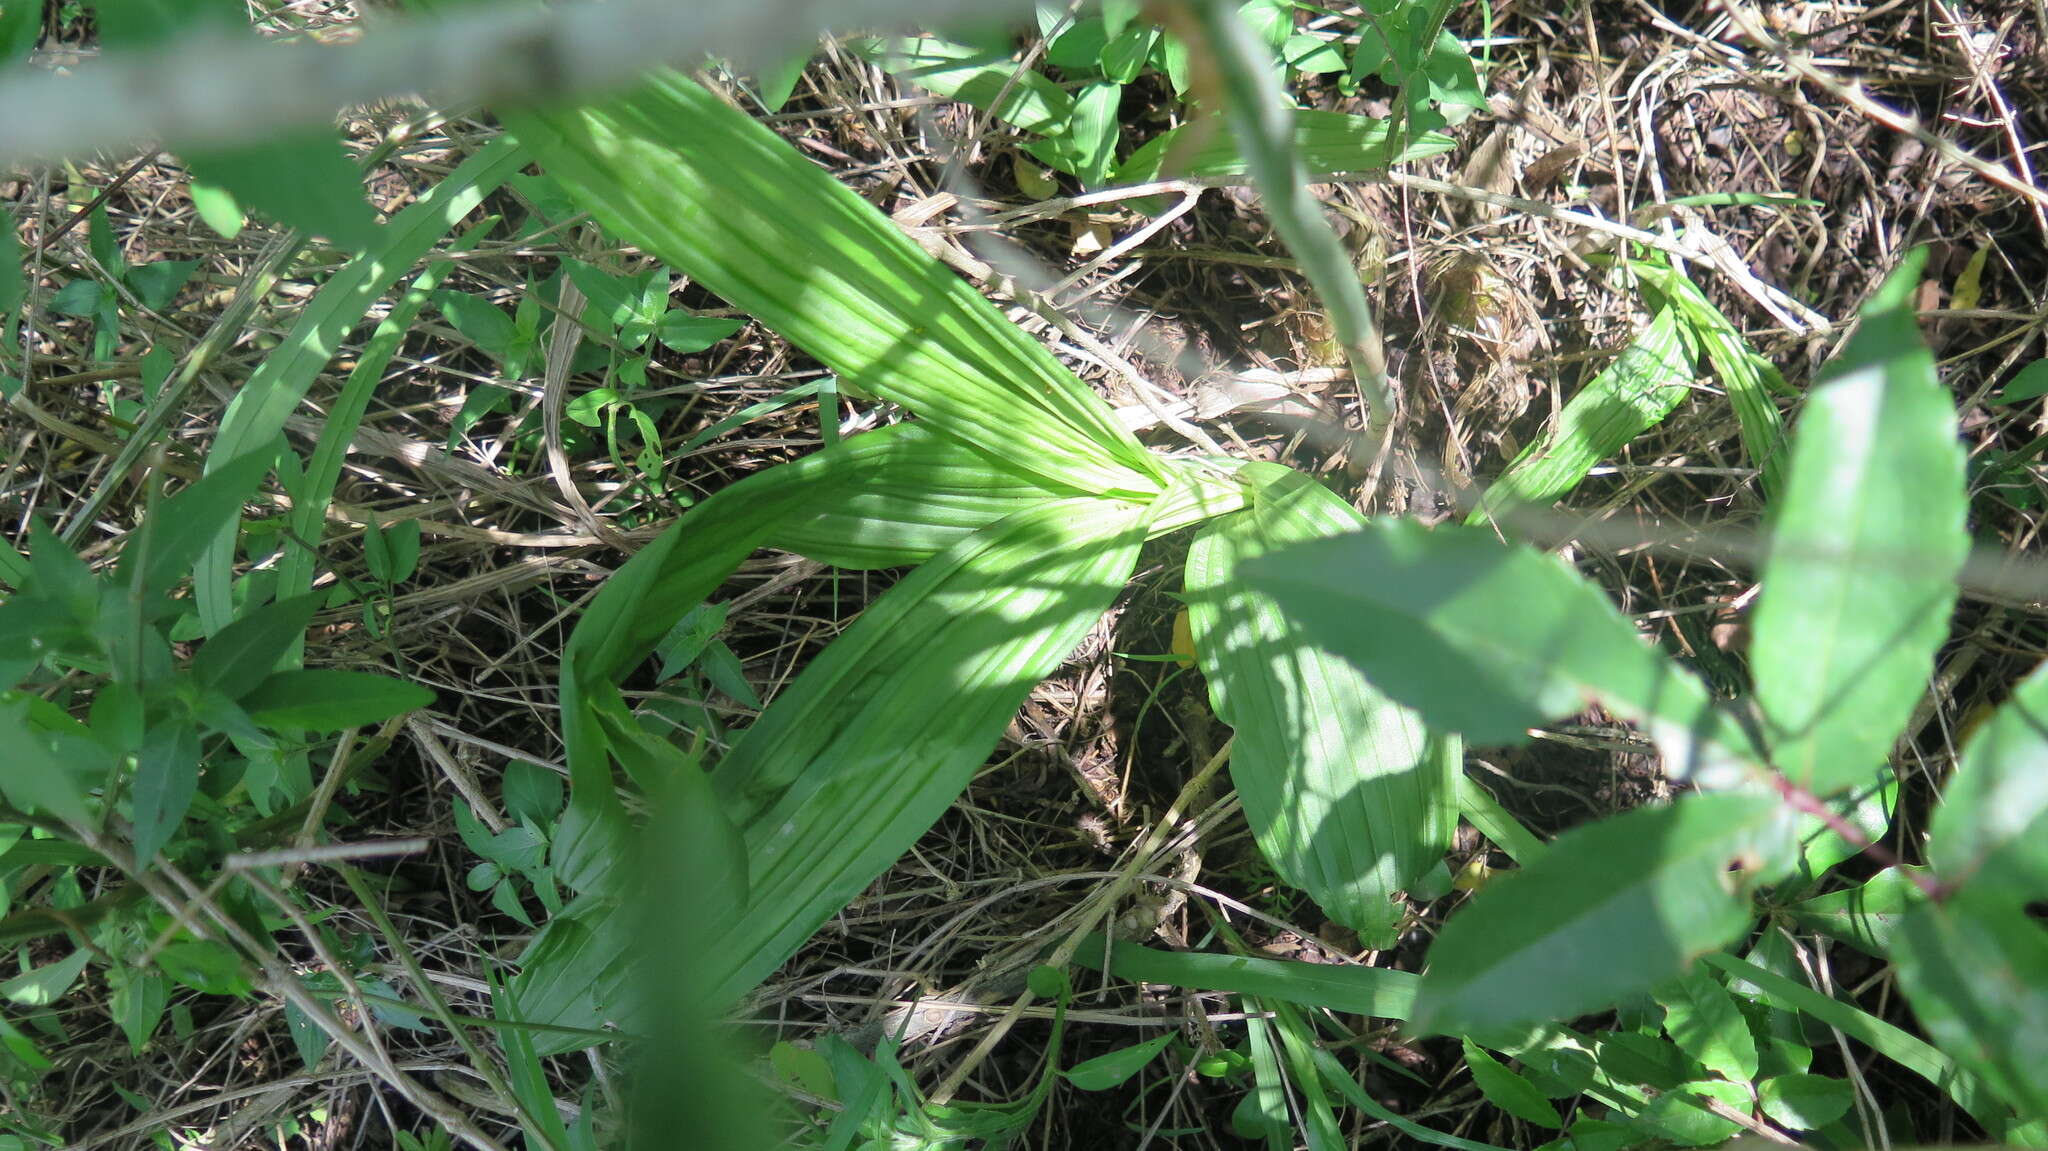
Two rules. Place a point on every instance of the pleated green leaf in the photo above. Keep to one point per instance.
(1864, 552)
(1490, 640)
(884, 729)
(1749, 379)
(1629, 397)
(675, 170)
(1348, 796)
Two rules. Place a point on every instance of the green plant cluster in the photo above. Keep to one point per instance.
(1352, 657)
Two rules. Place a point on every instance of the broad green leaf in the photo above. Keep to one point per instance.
(1328, 143)
(1347, 795)
(21, 25)
(684, 334)
(1086, 144)
(1975, 969)
(531, 791)
(995, 84)
(1906, 1050)
(481, 322)
(304, 179)
(218, 207)
(258, 413)
(1701, 1017)
(1991, 828)
(205, 966)
(1507, 1090)
(12, 283)
(1865, 548)
(1125, 54)
(1677, 1118)
(140, 997)
(1612, 909)
(53, 760)
(330, 699)
(883, 730)
(166, 779)
(1631, 395)
(2030, 382)
(244, 653)
(46, 984)
(156, 283)
(1863, 916)
(675, 170)
(1376, 992)
(1489, 640)
(1116, 1068)
(1803, 1102)
(392, 554)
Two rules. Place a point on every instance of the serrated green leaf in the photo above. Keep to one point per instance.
(1645, 383)
(204, 965)
(1507, 1090)
(988, 81)
(711, 192)
(156, 283)
(1612, 909)
(1991, 828)
(1865, 548)
(1489, 640)
(881, 732)
(1346, 793)
(684, 334)
(1802, 1102)
(1116, 1067)
(78, 298)
(1976, 972)
(1701, 1017)
(329, 699)
(531, 791)
(166, 779)
(244, 653)
(1328, 143)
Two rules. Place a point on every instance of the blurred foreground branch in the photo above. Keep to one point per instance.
(211, 91)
